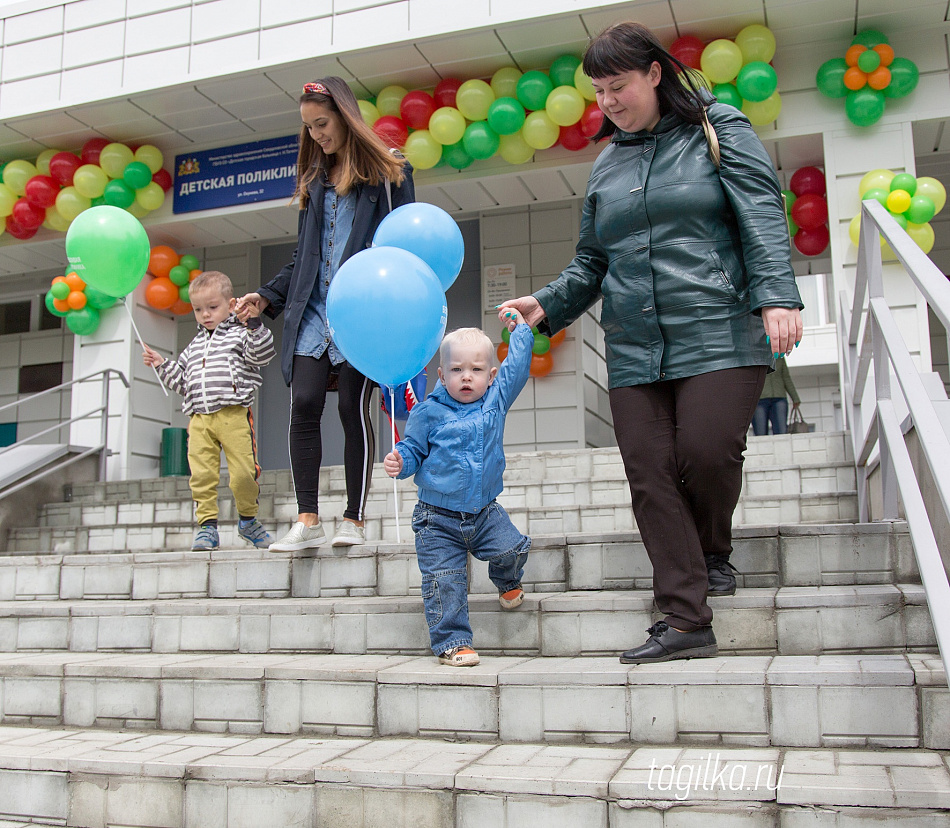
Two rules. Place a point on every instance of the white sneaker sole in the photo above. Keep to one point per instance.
(346, 540)
(313, 543)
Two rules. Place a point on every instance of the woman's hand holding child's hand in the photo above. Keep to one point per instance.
(152, 358)
(392, 463)
(250, 305)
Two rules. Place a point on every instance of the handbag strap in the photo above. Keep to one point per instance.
(796, 416)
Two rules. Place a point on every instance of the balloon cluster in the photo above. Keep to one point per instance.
(171, 274)
(541, 360)
(397, 284)
(912, 202)
(513, 115)
(866, 77)
(808, 211)
(52, 192)
(739, 72)
(71, 297)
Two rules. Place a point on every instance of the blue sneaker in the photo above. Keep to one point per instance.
(253, 532)
(206, 539)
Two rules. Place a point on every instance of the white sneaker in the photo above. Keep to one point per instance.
(300, 536)
(349, 534)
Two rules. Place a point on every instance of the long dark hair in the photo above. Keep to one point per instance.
(626, 47)
(365, 159)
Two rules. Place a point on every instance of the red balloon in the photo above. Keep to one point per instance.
(572, 137)
(688, 49)
(810, 211)
(808, 181)
(416, 108)
(62, 167)
(444, 93)
(26, 215)
(161, 293)
(392, 130)
(814, 241)
(92, 148)
(18, 231)
(591, 120)
(41, 191)
(164, 179)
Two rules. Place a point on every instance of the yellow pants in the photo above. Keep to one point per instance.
(230, 429)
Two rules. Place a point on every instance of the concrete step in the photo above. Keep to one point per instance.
(789, 621)
(140, 779)
(767, 556)
(884, 701)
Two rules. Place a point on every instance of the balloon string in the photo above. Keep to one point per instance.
(392, 423)
(128, 310)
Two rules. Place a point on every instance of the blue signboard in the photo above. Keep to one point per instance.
(242, 174)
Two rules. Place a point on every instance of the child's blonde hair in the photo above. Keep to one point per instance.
(212, 280)
(466, 336)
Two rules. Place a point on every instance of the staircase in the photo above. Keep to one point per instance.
(142, 684)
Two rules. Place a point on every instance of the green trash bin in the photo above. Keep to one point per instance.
(175, 452)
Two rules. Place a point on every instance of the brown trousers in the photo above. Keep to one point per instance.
(681, 442)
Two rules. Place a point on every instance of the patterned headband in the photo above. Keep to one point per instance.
(318, 88)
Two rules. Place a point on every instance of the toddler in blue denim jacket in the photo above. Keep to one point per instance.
(454, 447)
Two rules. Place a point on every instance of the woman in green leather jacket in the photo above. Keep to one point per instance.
(692, 263)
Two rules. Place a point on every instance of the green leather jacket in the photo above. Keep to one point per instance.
(683, 254)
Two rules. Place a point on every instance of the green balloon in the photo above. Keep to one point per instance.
(505, 335)
(98, 201)
(904, 77)
(563, 69)
(48, 299)
(179, 275)
(189, 262)
(480, 140)
(60, 290)
(97, 299)
(136, 175)
(119, 194)
(877, 194)
(506, 116)
(756, 81)
(830, 78)
(869, 38)
(533, 89)
(900, 219)
(542, 344)
(455, 156)
(864, 106)
(789, 200)
(869, 61)
(921, 210)
(183, 294)
(792, 227)
(109, 249)
(83, 322)
(904, 181)
(728, 94)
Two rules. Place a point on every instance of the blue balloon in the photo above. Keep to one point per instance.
(430, 233)
(386, 310)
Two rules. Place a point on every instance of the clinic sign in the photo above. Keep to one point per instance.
(242, 174)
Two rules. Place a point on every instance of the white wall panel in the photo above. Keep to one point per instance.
(143, 7)
(428, 16)
(33, 26)
(106, 77)
(222, 18)
(20, 97)
(371, 27)
(156, 69)
(93, 13)
(299, 41)
(94, 45)
(157, 32)
(36, 57)
(278, 12)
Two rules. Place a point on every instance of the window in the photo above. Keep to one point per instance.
(36, 378)
(14, 317)
(49, 321)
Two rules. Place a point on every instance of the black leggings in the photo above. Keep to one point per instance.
(308, 395)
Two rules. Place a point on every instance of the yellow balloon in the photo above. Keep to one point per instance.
(721, 61)
(17, 173)
(137, 209)
(114, 158)
(473, 99)
(150, 197)
(7, 200)
(875, 180)
(422, 150)
(151, 156)
(90, 180)
(70, 203)
(42, 160)
(447, 125)
(514, 149)
(565, 105)
(55, 220)
(539, 131)
(584, 84)
(934, 190)
(763, 112)
(388, 100)
(898, 201)
(854, 230)
(504, 83)
(922, 234)
(369, 112)
(756, 42)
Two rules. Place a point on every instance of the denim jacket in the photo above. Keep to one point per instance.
(456, 450)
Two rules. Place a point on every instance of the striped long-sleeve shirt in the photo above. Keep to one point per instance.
(219, 368)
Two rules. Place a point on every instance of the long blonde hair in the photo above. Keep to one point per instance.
(364, 158)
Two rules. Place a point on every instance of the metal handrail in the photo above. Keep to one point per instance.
(102, 411)
(883, 348)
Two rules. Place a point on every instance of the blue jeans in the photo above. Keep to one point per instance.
(770, 409)
(444, 540)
